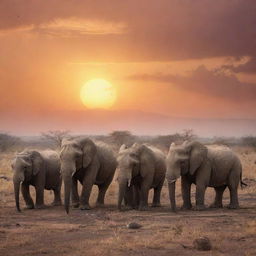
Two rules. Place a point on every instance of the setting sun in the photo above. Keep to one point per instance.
(98, 93)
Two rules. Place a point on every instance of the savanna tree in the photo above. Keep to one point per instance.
(55, 136)
(122, 137)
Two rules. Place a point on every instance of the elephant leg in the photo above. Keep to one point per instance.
(57, 198)
(102, 192)
(234, 180)
(233, 198)
(26, 195)
(157, 194)
(88, 181)
(75, 196)
(85, 195)
(144, 197)
(200, 192)
(128, 198)
(136, 197)
(186, 193)
(218, 197)
(39, 197)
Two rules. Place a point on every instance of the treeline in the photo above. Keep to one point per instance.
(52, 139)
(8, 142)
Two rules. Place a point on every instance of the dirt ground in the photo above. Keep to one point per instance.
(103, 231)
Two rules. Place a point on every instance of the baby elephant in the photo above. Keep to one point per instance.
(39, 169)
(140, 168)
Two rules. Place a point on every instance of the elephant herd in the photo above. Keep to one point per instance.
(139, 168)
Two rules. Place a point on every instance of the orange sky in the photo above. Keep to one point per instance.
(168, 58)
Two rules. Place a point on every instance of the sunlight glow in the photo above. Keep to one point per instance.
(98, 93)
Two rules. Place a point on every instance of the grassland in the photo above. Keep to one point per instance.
(103, 231)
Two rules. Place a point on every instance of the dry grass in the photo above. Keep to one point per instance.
(103, 231)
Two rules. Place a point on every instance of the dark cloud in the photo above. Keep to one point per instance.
(248, 67)
(207, 82)
(158, 30)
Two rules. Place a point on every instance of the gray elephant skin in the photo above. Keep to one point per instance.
(89, 163)
(140, 168)
(205, 166)
(39, 169)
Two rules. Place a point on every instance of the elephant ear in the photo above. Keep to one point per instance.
(134, 157)
(37, 162)
(89, 150)
(198, 154)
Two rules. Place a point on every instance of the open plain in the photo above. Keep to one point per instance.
(103, 231)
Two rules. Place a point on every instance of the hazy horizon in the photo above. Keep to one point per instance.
(102, 122)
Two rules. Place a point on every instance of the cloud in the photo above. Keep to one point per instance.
(158, 30)
(72, 27)
(207, 82)
(248, 67)
(27, 28)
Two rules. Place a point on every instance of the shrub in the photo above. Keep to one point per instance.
(8, 141)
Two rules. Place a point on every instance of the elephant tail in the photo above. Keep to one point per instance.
(240, 169)
(242, 183)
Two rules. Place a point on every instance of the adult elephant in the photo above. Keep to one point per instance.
(213, 166)
(89, 163)
(140, 168)
(39, 169)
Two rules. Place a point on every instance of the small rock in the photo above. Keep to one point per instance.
(202, 244)
(18, 225)
(133, 225)
(82, 226)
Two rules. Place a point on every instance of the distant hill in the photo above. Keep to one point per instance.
(138, 122)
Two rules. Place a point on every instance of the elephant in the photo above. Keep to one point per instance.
(89, 163)
(140, 168)
(205, 166)
(40, 169)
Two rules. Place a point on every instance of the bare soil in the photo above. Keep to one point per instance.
(103, 231)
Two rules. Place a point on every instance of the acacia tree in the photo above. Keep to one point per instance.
(122, 137)
(188, 134)
(165, 140)
(55, 136)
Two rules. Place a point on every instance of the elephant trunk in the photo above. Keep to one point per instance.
(16, 184)
(67, 192)
(171, 187)
(121, 194)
